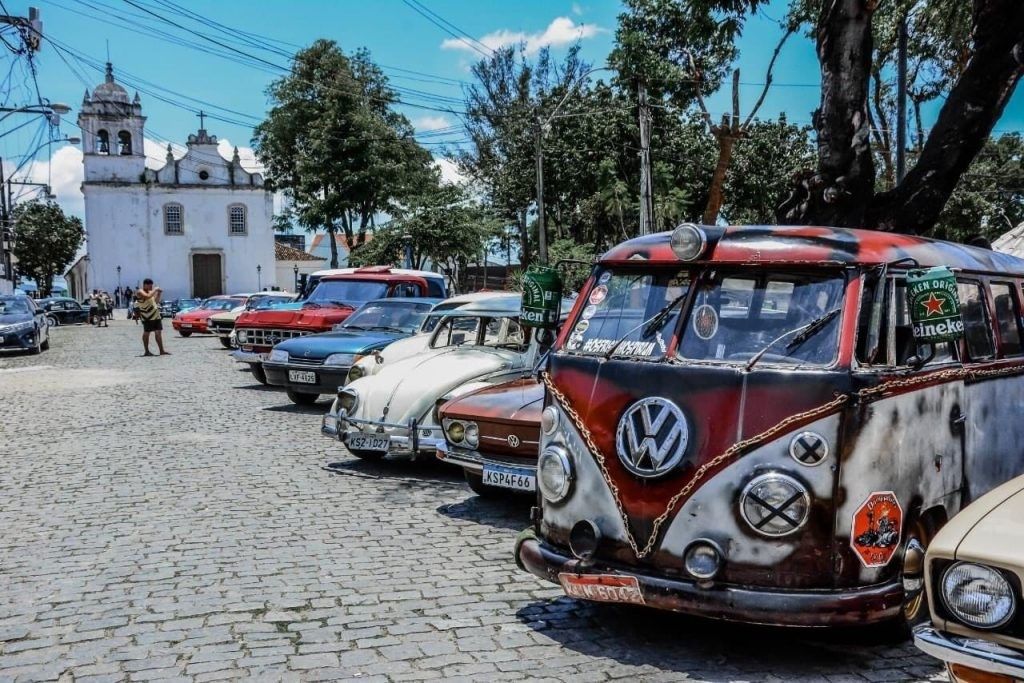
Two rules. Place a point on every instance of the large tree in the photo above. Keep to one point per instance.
(46, 240)
(334, 145)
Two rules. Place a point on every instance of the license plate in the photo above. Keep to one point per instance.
(519, 479)
(368, 442)
(186, 325)
(602, 588)
(302, 376)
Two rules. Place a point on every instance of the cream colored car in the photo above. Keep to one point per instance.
(974, 571)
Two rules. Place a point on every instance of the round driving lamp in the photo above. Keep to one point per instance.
(554, 474)
(688, 242)
(348, 399)
(584, 538)
(978, 595)
(702, 560)
(775, 504)
(549, 420)
(472, 435)
(456, 432)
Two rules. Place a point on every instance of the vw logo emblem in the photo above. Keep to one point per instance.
(513, 441)
(652, 436)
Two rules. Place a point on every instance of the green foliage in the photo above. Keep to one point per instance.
(46, 241)
(573, 274)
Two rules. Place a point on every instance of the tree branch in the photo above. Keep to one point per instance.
(768, 77)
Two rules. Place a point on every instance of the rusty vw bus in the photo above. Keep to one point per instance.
(758, 424)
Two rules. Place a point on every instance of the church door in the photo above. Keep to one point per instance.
(206, 275)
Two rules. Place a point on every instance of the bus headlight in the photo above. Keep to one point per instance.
(688, 242)
(775, 504)
(977, 595)
(554, 474)
(549, 420)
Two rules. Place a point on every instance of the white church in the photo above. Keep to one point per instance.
(198, 226)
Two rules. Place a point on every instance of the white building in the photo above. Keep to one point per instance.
(199, 225)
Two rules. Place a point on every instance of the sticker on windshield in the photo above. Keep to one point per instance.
(626, 348)
(705, 322)
(588, 312)
(605, 277)
(582, 326)
(598, 295)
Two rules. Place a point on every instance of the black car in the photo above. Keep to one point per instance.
(61, 310)
(23, 325)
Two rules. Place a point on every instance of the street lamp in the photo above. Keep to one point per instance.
(51, 110)
(295, 269)
(259, 282)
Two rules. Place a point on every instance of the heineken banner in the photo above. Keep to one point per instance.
(542, 297)
(934, 305)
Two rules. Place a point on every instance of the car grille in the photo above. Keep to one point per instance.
(222, 325)
(292, 360)
(262, 337)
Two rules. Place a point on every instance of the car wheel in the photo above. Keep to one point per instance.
(52, 321)
(226, 343)
(257, 372)
(183, 333)
(367, 455)
(45, 346)
(476, 482)
(303, 399)
(38, 348)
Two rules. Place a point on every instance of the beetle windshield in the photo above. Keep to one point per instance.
(498, 332)
(785, 318)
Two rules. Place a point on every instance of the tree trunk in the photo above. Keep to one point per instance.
(840, 191)
(716, 193)
(524, 241)
(331, 231)
(964, 123)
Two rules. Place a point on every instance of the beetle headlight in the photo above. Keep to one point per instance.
(977, 595)
(348, 400)
(340, 359)
(775, 504)
(688, 242)
(456, 431)
(472, 435)
(278, 356)
(549, 420)
(355, 372)
(554, 474)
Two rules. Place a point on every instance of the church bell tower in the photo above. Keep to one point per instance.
(112, 133)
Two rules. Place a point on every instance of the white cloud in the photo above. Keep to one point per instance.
(577, 9)
(449, 171)
(428, 123)
(561, 31)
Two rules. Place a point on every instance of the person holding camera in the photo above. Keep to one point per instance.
(148, 306)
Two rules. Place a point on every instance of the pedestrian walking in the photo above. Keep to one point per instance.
(93, 302)
(101, 311)
(148, 303)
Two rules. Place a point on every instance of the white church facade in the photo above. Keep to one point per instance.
(198, 226)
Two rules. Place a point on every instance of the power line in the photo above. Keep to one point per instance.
(449, 28)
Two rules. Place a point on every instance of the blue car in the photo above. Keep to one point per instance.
(317, 364)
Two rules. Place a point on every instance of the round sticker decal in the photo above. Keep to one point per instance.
(605, 277)
(582, 326)
(588, 312)
(598, 295)
(705, 322)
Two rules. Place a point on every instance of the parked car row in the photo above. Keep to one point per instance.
(760, 424)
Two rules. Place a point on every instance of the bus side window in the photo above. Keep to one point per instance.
(977, 329)
(865, 337)
(1004, 296)
(904, 343)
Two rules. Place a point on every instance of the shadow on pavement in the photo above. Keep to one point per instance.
(315, 409)
(499, 512)
(717, 650)
(417, 471)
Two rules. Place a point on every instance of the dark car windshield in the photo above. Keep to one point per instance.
(10, 305)
(394, 316)
(352, 292)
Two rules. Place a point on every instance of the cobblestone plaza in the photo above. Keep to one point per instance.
(169, 519)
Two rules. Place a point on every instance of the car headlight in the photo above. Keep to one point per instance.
(340, 359)
(20, 327)
(977, 595)
(348, 400)
(242, 336)
(549, 420)
(456, 431)
(278, 356)
(775, 504)
(554, 474)
(472, 435)
(355, 372)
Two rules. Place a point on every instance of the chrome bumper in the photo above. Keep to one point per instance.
(971, 652)
(415, 439)
(474, 461)
(247, 356)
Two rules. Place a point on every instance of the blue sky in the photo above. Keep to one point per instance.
(399, 38)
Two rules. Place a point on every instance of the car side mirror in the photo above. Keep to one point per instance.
(916, 361)
(545, 337)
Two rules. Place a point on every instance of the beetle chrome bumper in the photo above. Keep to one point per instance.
(975, 653)
(849, 607)
(407, 440)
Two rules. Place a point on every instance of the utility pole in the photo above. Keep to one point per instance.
(901, 99)
(542, 233)
(646, 203)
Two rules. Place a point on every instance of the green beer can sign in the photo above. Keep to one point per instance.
(542, 297)
(934, 305)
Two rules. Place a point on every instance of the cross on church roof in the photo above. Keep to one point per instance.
(202, 119)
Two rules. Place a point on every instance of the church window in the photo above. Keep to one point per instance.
(173, 224)
(237, 220)
(124, 142)
(102, 142)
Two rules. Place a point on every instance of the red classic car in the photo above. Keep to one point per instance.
(196, 320)
(492, 433)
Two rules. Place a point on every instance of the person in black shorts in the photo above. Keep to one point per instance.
(148, 303)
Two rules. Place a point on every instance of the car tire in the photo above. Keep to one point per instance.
(183, 333)
(38, 348)
(301, 399)
(226, 343)
(371, 456)
(45, 346)
(258, 373)
(476, 483)
(52, 321)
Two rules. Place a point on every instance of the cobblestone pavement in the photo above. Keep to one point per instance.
(167, 518)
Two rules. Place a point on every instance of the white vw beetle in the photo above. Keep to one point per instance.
(394, 412)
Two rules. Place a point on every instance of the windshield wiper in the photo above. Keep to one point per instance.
(356, 327)
(652, 324)
(803, 333)
(387, 327)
